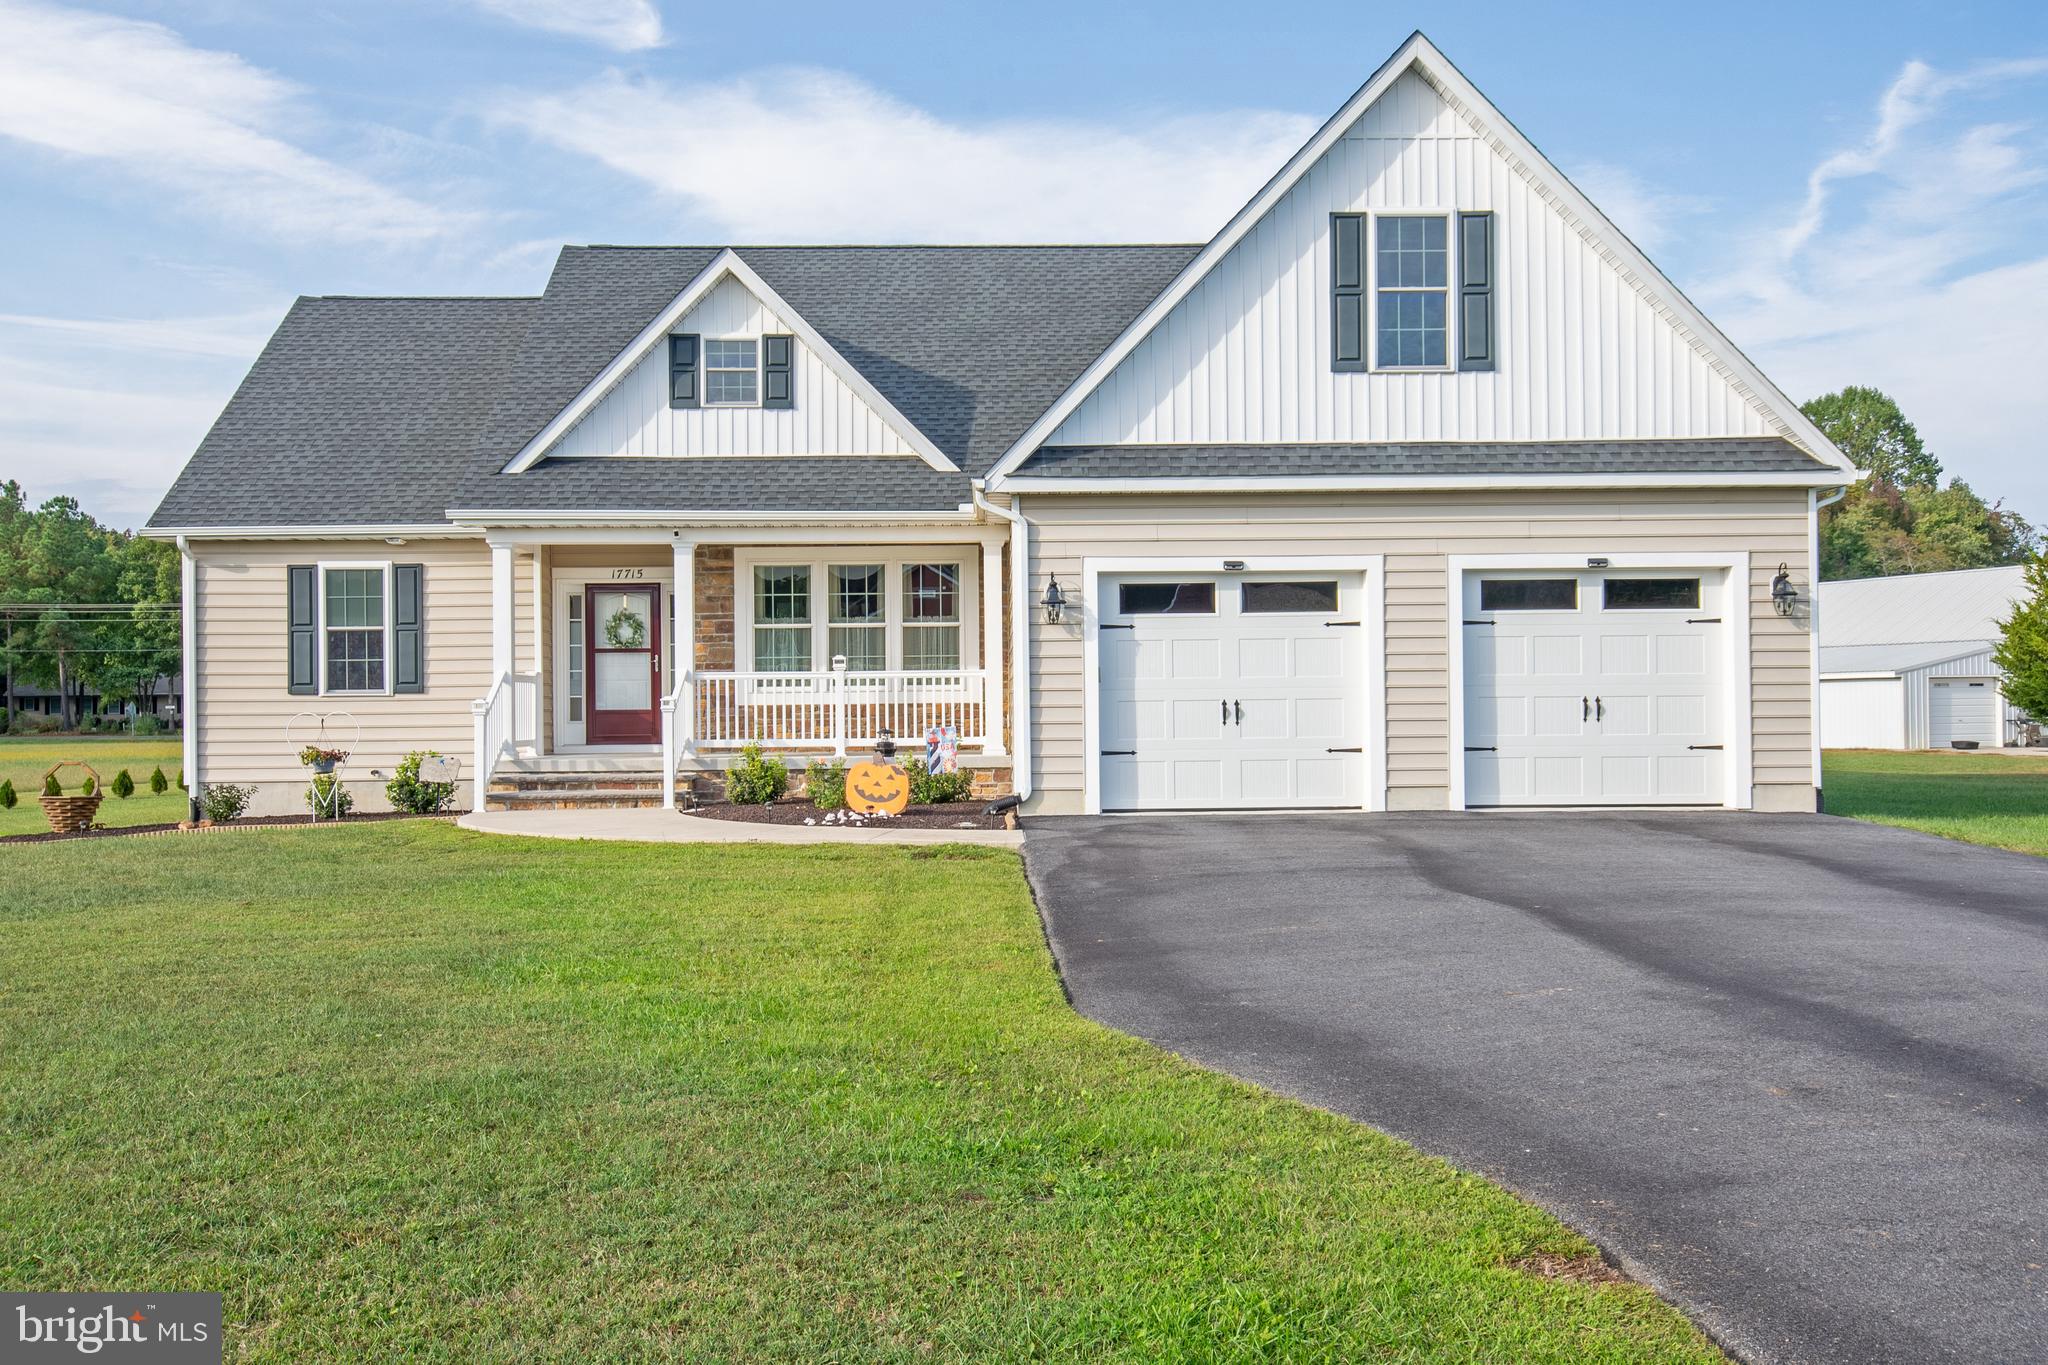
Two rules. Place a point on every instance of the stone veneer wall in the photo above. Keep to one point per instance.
(714, 608)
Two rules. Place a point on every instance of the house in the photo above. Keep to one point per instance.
(1906, 661)
(1416, 487)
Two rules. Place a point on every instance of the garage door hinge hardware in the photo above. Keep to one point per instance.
(1481, 749)
(1702, 746)
(1482, 623)
(1119, 753)
(1703, 620)
(1108, 626)
(1340, 623)
(1352, 750)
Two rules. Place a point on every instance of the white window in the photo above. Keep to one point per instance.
(732, 373)
(877, 611)
(1411, 278)
(355, 627)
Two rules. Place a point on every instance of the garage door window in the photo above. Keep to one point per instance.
(1528, 594)
(1644, 594)
(1261, 598)
(1166, 599)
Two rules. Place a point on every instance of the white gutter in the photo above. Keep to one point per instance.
(1020, 637)
(1340, 483)
(188, 673)
(476, 519)
(1814, 502)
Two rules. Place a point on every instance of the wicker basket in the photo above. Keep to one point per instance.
(72, 814)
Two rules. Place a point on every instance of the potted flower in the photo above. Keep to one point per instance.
(321, 760)
(70, 814)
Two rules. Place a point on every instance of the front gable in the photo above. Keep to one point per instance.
(626, 410)
(1589, 341)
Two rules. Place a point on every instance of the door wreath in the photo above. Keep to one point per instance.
(624, 629)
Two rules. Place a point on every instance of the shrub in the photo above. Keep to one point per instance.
(936, 789)
(8, 799)
(124, 785)
(825, 783)
(92, 784)
(221, 802)
(51, 786)
(754, 780)
(328, 796)
(408, 793)
(146, 724)
(158, 783)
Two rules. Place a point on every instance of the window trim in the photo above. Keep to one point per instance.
(320, 571)
(705, 368)
(1449, 218)
(1699, 590)
(894, 559)
(1577, 580)
(1335, 581)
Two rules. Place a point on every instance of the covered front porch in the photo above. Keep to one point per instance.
(629, 661)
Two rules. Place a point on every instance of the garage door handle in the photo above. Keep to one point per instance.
(1110, 625)
(1226, 711)
(1334, 624)
(1599, 709)
(1240, 711)
(1119, 753)
(1585, 709)
(1702, 746)
(1703, 620)
(1481, 749)
(1344, 751)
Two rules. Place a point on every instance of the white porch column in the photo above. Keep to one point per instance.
(992, 646)
(679, 708)
(188, 682)
(504, 592)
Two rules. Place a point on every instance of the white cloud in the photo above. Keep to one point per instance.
(136, 98)
(808, 155)
(628, 25)
(1648, 213)
(1914, 262)
(237, 336)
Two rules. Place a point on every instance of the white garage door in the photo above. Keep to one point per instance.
(1230, 691)
(1962, 708)
(1602, 688)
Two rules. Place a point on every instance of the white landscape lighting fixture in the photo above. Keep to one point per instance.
(1784, 597)
(1054, 601)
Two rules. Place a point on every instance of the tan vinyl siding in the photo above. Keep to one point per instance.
(1417, 532)
(243, 704)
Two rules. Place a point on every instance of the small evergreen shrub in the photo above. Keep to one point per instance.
(158, 783)
(755, 780)
(8, 799)
(92, 784)
(408, 793)
(936, 789)
(328, 797)
(221, 802)
(51, 786)
(146, 724)
(825, 783)
(124, 785)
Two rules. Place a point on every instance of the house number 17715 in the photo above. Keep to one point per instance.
(618, 574)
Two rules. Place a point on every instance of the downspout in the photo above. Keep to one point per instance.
(188, 676)
(1020, 637)
(1814, 502)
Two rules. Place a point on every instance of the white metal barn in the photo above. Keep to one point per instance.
(1905, 662)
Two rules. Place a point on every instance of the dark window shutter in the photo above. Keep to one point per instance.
(1476, 341)
(408, 648)
(1347, 292)
(777, 390)
(682, 371)
(303, 625)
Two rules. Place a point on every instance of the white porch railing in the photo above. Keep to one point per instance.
(504, 720)
(836, 710)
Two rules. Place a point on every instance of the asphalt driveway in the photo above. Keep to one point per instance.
(1791, 1070)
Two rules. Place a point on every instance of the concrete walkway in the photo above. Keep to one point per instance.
(673, 827)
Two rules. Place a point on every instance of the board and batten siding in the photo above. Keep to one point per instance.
(1583, 352)
(1416, 532)
(827, 417)
(243, 706)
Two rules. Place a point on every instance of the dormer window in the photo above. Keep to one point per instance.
(732, 373)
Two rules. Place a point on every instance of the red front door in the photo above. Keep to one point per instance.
(622, 634)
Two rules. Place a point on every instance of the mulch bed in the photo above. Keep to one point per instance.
(959, 815)
(246, 822)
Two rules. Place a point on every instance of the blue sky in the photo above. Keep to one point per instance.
(1855, 192)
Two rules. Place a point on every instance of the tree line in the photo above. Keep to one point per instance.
(83, 606)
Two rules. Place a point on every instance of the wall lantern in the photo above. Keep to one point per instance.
(1784, 596)
(1054, 601)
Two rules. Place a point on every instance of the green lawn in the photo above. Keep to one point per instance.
(23, 760)
(406, 1092)
(2000, 799)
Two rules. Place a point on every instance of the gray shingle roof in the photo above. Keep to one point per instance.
(358, 412)
(1730, 455)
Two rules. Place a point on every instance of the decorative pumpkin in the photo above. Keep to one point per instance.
(877, 789)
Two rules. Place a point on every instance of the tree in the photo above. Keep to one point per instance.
(2022, 652)
(1902, 520)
